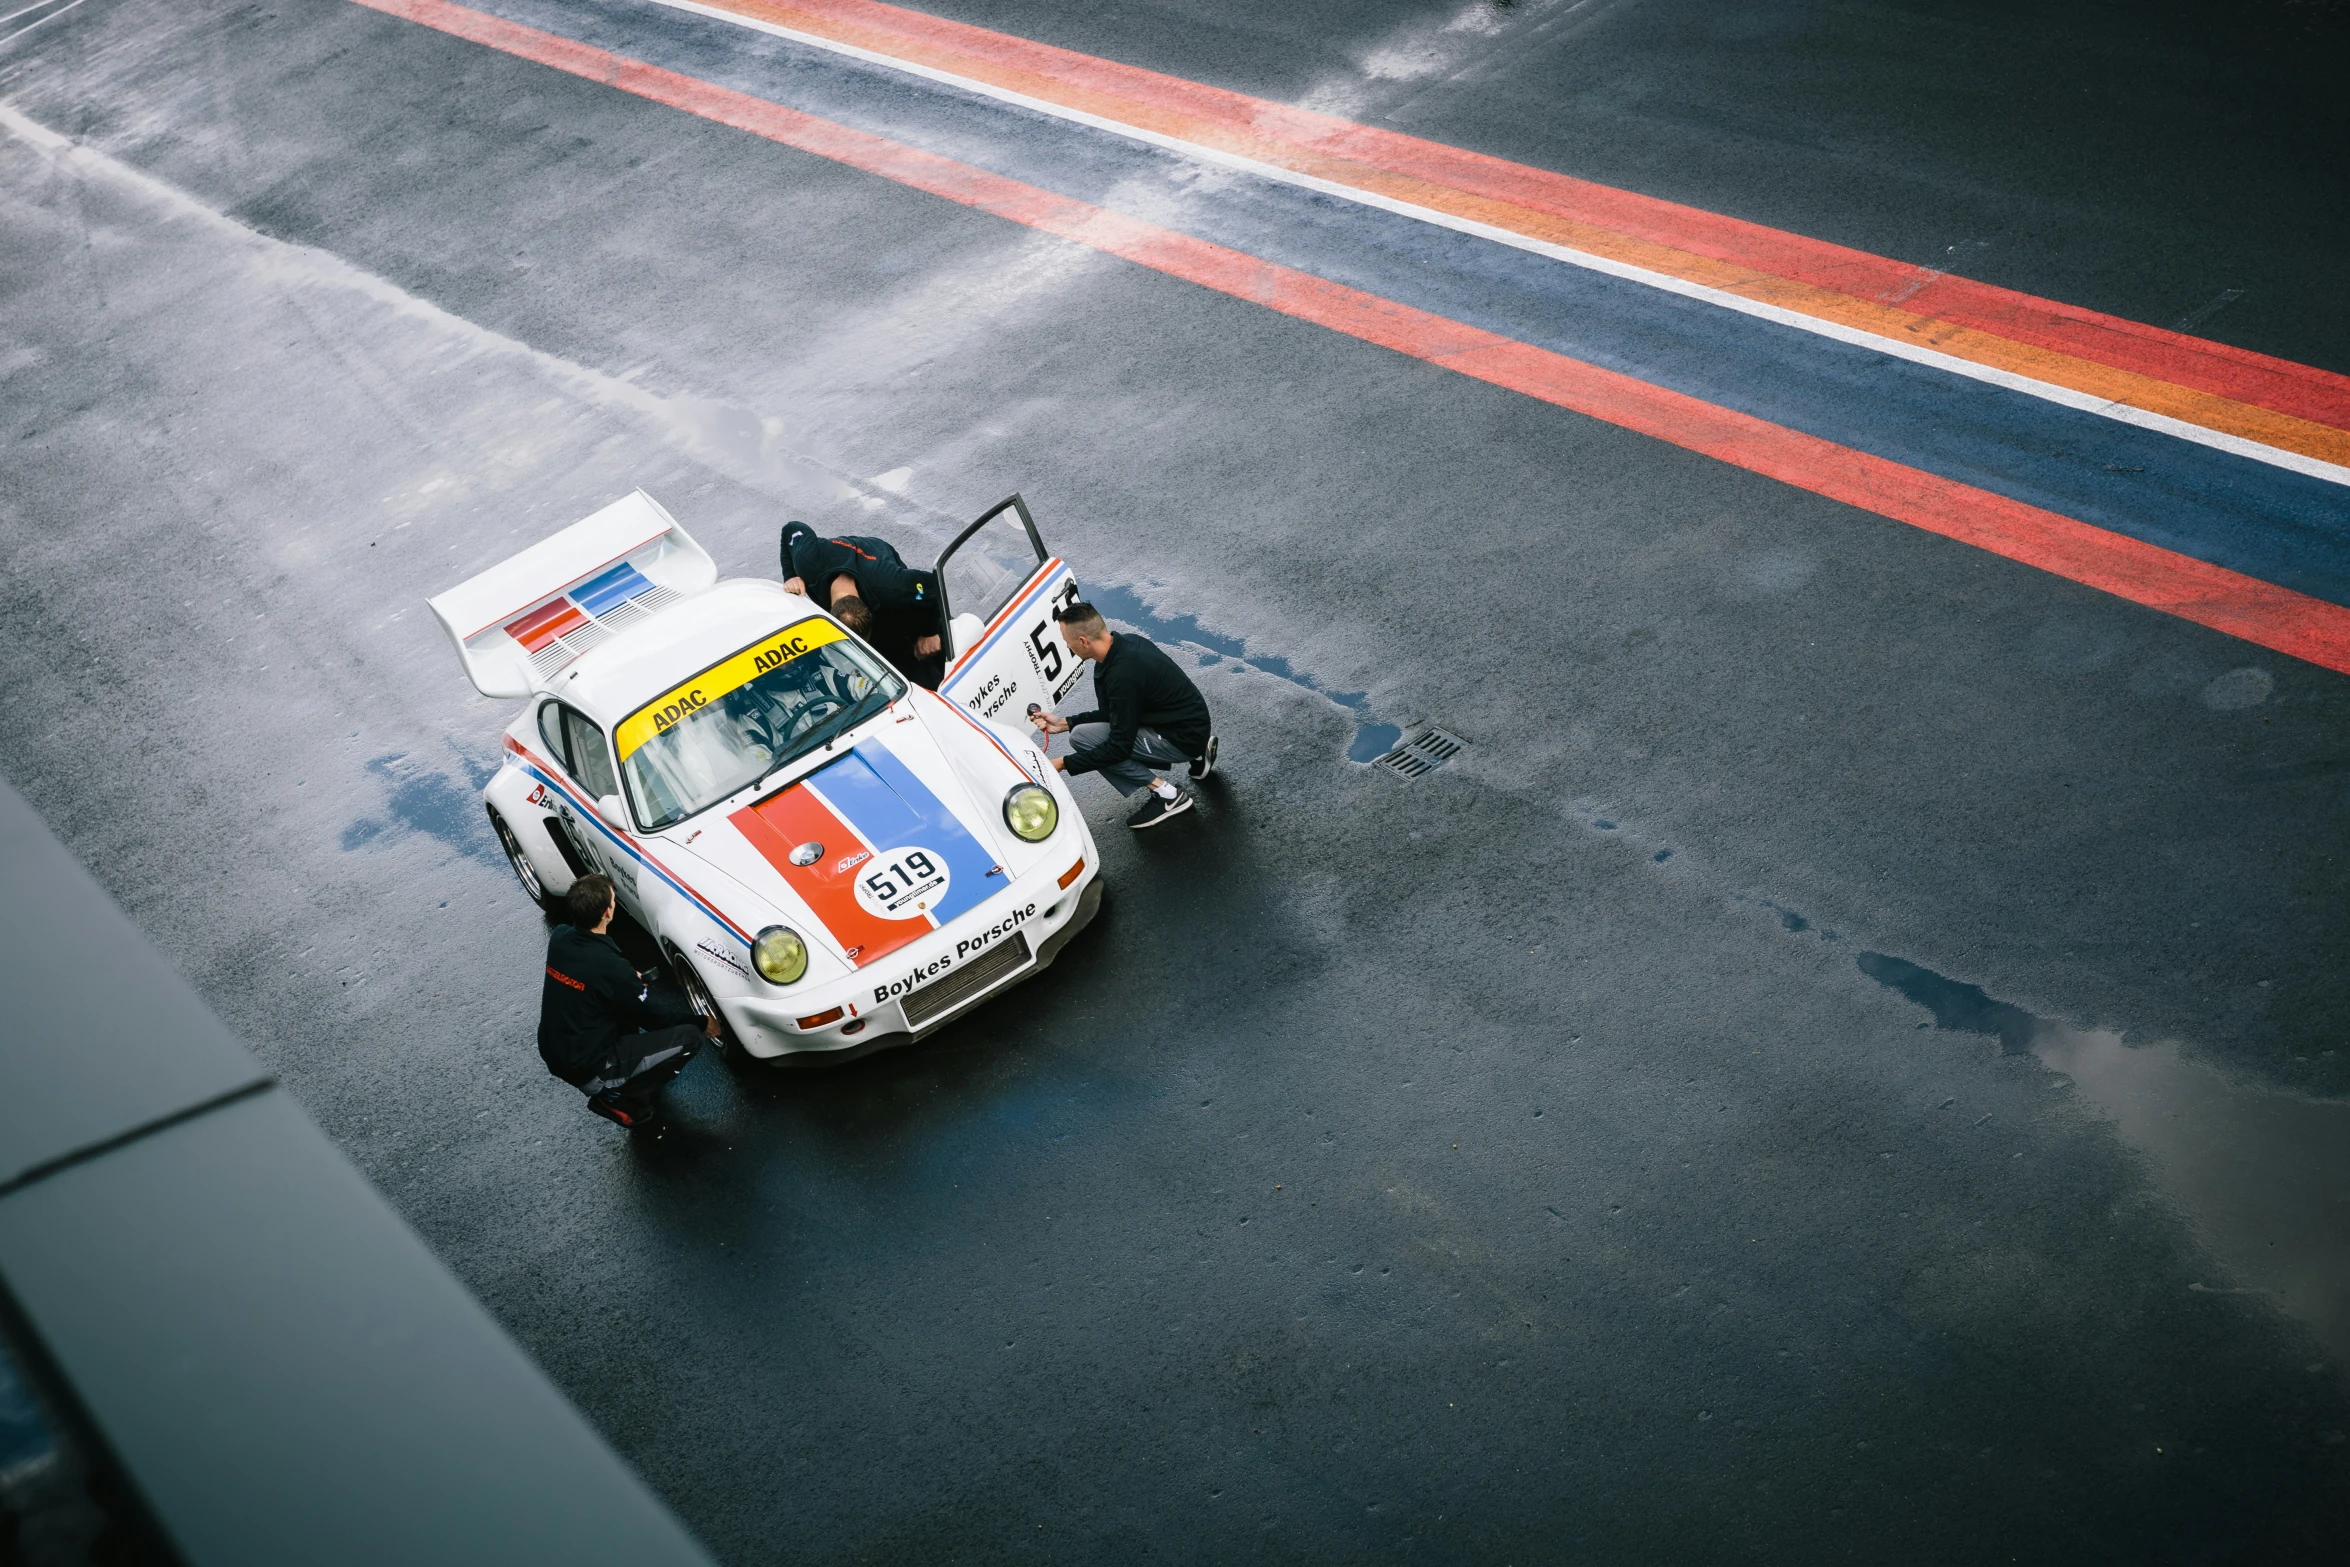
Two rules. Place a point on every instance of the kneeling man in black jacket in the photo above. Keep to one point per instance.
(1151, 716)
(604, 1028)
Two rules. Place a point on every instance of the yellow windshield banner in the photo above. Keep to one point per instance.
(666, 711)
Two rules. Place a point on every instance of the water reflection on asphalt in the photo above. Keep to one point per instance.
(1371, 739)
(2265, 1176)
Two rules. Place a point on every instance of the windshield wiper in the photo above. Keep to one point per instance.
(823, 734)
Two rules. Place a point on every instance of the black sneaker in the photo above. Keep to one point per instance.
(634, 1120)
(1155, 810)
(1204, 763)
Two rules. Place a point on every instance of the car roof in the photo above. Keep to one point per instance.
(612, 681)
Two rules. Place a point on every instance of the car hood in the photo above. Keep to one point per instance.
(896, 843)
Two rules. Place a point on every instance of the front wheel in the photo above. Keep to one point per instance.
(524, 871)
(698, 997)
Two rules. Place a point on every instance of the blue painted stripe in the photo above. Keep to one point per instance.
(879, 796)
(602, 594)
(2284, 527)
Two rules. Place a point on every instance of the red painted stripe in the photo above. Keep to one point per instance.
(2228, 601)
(623, 555)
(543, 625)
(2236, 373)
(782, 822)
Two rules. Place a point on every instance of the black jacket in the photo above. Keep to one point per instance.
(1140, 687)
(591, 999)
(903, 598)
(884, 581)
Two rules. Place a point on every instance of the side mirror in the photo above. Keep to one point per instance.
(614, 813)
(963, 634)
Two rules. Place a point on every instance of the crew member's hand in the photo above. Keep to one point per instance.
(926, 647)
(710, 1025)
(795, 585)
(1050, 723)
(1060, 764)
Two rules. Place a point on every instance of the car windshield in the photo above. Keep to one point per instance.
(747, 716)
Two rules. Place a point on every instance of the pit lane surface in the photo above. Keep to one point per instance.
(1556, 1157)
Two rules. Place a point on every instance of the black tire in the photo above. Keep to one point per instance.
(524, 871)
(697, 994)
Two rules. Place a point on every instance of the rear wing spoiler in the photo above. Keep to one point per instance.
(518, 624)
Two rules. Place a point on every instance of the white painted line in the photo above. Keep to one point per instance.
(2065, 396)
(27, 10)
(703, 429)
(29, 26)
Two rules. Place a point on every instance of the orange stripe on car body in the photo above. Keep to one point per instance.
(781, 823)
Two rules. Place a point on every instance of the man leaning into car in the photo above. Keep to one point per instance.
(605, 1029)
(873, 592)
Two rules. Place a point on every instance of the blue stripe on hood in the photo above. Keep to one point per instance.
(881, 798)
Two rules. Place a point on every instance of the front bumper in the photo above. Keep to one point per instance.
(770, 1029)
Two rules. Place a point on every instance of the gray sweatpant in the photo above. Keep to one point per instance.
(1137, 770)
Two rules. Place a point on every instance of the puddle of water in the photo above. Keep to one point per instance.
(1795, 924)
(1371, 739)
(1955, 1006)
(432, 803)
(2265, 1176)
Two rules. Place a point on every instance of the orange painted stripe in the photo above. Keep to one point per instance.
(544, 624)
(782, 822)
(2246, 607)
(2272, 401)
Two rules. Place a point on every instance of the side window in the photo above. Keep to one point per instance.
(551, 731)
(591, 764)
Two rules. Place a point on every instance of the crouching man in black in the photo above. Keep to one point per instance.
(605, 1029)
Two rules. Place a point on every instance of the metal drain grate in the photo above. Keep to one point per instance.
(1422, 754)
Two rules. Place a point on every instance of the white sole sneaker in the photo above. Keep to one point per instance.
(1158, 810)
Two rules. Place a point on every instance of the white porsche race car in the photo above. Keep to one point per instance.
(832, 859)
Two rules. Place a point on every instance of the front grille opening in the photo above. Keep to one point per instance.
(1422, 754)
(942, 996)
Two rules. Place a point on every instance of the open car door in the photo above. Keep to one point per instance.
(1000, 589)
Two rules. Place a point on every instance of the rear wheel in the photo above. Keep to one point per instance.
(698, 996)
(524, 871)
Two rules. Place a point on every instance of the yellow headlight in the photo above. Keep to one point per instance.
(1031, 814)
(779, 955)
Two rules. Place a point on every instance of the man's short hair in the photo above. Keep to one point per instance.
(854, 613)
(1083, 616)
(587, 900)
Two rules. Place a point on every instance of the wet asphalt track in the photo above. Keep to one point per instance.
(1556, 1159)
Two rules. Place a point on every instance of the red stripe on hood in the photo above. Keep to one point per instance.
(781, 823)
